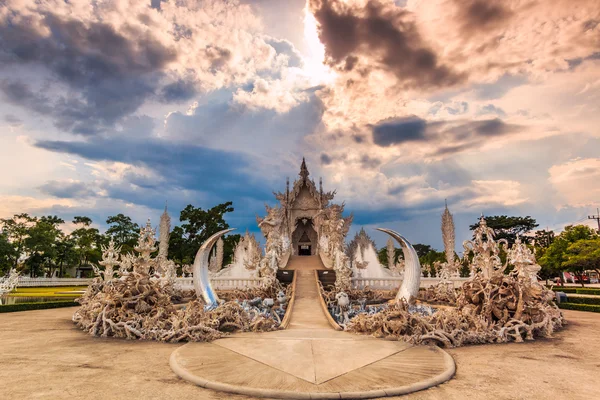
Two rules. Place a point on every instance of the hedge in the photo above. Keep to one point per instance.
(580, 307)
(583, 300)
(36, 306)
(564, 289)
(594, 292)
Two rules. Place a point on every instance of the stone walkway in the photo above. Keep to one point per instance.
(310, 359)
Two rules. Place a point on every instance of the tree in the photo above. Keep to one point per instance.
(431, 257)
(581, 256)
(229, 241)
(543, 239)
(123, 231)
(86, 242)
(197, 226)
(16, 230)
(382, 255)
(508, 228)
(66, 254)
(40, 244)
(422, 249)
(7, 254)
(555, 256)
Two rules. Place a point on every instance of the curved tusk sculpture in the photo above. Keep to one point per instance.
(202, 283)
(412, 269)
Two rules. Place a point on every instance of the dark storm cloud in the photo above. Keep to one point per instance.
(386, 35)
(13, 120)
(483, 15)
(448, 137)
(177, 92)
(67, 189)
(111, 75)
(325, 159)
(182, 166)
(399, 130)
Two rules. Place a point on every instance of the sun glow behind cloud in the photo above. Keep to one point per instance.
(314, 66)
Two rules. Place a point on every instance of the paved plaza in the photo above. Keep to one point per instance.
(44, 356)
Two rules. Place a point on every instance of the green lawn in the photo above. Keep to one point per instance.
(49, 291)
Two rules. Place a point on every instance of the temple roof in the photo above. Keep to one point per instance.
(288, 198)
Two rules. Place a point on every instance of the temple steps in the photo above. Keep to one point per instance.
(307, 313)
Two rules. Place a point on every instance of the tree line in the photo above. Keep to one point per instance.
(38, 246)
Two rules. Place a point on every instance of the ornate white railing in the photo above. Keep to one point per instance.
(223, 283)
(395, 282)
(25, 281)
(187, 282)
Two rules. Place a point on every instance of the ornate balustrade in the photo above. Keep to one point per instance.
(395, 282)
(25, 281)
(223, 283)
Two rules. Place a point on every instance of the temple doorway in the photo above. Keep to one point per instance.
(304, 238)
(304, 250)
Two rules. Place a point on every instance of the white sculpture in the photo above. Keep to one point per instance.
(343, 302)
(145, 247)
(110, 260)
(9, 282)
(524, 261)
(486, 260)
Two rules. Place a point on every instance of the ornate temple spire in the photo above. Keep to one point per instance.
(303, 170)
(448, 235)
(320, 191)
(165, 233)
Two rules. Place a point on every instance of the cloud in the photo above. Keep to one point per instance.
(15, 204)
(379, 36)
(483, 15)
(98, 63)
(399, 130)
(67, 189)
(285, 47)
(577, 181)
(13, 120)
(446, 136)
(180, 166)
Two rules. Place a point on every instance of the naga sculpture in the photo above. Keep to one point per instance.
(202, 283)
(409, 290)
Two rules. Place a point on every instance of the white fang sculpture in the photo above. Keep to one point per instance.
(412, 269)
(202, 283)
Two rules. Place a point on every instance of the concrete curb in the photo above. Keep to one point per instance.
(290, 307)
(330, 319)
(287, 394)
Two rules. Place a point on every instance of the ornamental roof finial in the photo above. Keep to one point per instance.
(303, 170)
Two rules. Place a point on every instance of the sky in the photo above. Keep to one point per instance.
(120, 106)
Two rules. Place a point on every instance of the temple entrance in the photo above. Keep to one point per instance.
(304, 238)
(304, 250)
